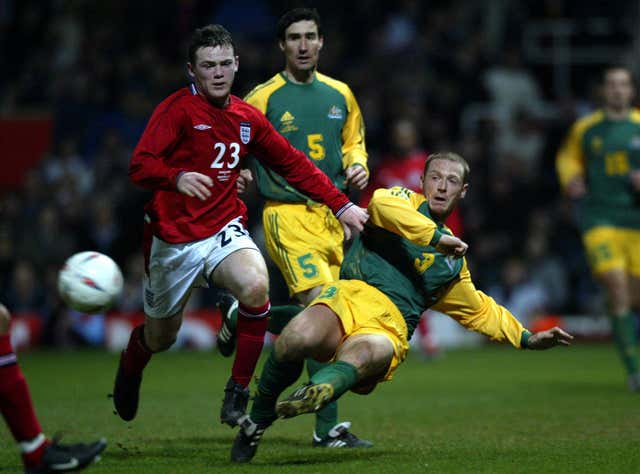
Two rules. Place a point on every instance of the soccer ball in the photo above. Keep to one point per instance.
(90, 282)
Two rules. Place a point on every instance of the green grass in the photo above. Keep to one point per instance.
(483, 410)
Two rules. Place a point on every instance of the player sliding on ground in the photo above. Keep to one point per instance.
(405, 261)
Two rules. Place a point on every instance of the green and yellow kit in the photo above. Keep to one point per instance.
(604, 152)
(397, 256)
(393, 272)
(322, 119)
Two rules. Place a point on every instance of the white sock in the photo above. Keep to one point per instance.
(30, 446)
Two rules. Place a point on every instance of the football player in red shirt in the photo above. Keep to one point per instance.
(39, 454)
(190, 156)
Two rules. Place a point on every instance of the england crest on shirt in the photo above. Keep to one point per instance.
(245, 132)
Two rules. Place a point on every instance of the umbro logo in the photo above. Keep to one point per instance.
(202, 126)
(287, 117)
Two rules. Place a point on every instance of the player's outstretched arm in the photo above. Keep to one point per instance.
(352, 220)
(548, 339)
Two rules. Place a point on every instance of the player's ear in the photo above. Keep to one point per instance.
(320, 42)
(465, 188)
(237, 61)
(281, 45)
(192, 74)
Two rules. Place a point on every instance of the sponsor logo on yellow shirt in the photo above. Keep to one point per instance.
(286, 123)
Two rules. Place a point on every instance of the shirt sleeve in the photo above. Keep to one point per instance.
(570, 159)
(354, 151)
(480, 313)
(395, 209)
(148, 167)
(275, 151)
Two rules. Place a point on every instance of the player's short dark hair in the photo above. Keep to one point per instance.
(616, 67)
(210, 35)
(449, 156)
(295, 15)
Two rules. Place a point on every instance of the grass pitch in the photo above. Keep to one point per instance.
(484, 410)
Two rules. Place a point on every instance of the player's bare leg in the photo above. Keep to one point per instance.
(361, 361)
(244, 273)
(314, 332)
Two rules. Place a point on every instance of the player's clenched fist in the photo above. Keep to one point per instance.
(353, 220)
(451, 245)
(195, 184)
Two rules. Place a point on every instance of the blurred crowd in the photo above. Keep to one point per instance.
(428, 76)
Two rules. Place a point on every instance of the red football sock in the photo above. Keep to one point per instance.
(137, 355)
(251, 327)
(15, 400)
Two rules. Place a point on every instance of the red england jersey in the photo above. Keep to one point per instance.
(187, 133)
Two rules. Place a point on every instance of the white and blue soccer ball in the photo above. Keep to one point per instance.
(90, 282)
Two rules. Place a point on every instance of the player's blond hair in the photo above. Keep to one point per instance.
(449, 156)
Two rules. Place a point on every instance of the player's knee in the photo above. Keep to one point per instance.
(5, 319)
(255, 292)
(619, 304)
(163, 343)
(371, 355)
(160, 341)
(292, 344)
(364, 353)
(364, 388)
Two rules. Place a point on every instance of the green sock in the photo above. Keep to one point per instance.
(626, 340)
(276, 376)
(341, 375)
(279, 316)
(327, 417)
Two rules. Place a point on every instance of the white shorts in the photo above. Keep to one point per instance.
(174, 269)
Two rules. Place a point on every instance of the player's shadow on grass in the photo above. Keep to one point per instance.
(310, 456)
(275, 451)
(303, 453)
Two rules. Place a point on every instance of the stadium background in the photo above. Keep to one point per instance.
(497, 81)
